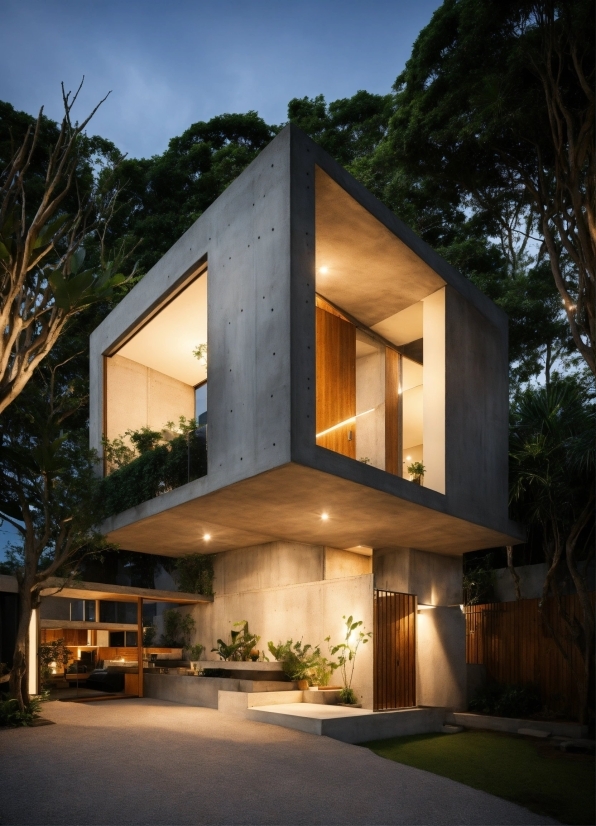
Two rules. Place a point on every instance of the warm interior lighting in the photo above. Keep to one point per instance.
(324, 517)
(324, 270)
(346, 421)
(206, 537)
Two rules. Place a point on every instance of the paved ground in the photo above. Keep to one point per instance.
(153, 762)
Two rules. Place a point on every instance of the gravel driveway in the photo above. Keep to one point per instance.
(153, 762)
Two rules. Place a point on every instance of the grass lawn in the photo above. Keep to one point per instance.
(531, 773)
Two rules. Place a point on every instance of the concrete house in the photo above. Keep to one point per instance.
(340, 351)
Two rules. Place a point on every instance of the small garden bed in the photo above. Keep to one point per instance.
(534, 775)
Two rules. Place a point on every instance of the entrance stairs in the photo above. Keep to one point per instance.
(316, 712)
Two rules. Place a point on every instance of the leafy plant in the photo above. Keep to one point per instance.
(479, 581)
(302, 662)
(195, 574)
(50, 652)
(137, 479)
(194, 651)
(11, 715)
(506, 700)
(417, 470)
(177, 629)
(346, 652)
(348, 695)
(200, 353)
(241, 643)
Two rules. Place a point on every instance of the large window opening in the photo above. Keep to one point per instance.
(156, 398)
(380, 344)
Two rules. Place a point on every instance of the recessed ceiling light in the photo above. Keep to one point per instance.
(324, 517)
(206, 537)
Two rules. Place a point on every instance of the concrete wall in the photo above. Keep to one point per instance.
(433, 391)
(277, 564)
(436, 579)
(281, 590)
(245, 235)
(441, 658)
(476, 412)
(138, 396)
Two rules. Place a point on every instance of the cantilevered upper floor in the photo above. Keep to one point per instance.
(322, 354)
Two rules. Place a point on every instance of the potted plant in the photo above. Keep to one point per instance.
(301, 663)
(194, 655)
(416, 471)
(346, 652)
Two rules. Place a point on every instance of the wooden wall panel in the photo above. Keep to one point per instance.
(393, 448)
(71, 636)
(513, 642)
(394, 648)
(335, 381)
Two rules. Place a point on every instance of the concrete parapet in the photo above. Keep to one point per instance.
(203, 691)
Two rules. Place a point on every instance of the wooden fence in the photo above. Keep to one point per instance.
(513, 642)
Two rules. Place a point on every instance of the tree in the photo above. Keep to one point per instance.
(44, 281)
(496, 108)
(49, 493)
(552, 491)
(349, 128)
(167, 193)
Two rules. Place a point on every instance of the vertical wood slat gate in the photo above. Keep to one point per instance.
(394, 648)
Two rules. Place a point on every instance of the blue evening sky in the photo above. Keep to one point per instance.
(170, 64)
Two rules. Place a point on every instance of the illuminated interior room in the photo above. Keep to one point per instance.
(159, 373)
(380, 339)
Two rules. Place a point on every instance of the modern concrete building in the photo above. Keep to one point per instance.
(341, 351)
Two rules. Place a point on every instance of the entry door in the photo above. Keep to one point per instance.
(394, 642)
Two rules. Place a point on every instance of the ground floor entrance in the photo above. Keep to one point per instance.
(394, 648)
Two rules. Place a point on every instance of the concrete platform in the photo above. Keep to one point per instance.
(350, 725)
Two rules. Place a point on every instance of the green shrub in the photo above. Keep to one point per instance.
(158, 469)
(301, 662)
(11, 715)
(506, 700)
(177, 629)
(195, 574)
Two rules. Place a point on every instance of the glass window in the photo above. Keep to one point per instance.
(201, 404)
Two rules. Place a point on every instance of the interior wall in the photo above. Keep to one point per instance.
(138, 396)
(441, 678)
(370, 408)
(436, 579)
(434, 390)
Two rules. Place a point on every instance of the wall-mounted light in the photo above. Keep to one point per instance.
(425, 607)
(206, 537)
(324, 270)
(324, 517)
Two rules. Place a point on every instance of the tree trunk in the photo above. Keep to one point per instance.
(19, 675)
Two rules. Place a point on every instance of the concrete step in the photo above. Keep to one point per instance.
(347, 724)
